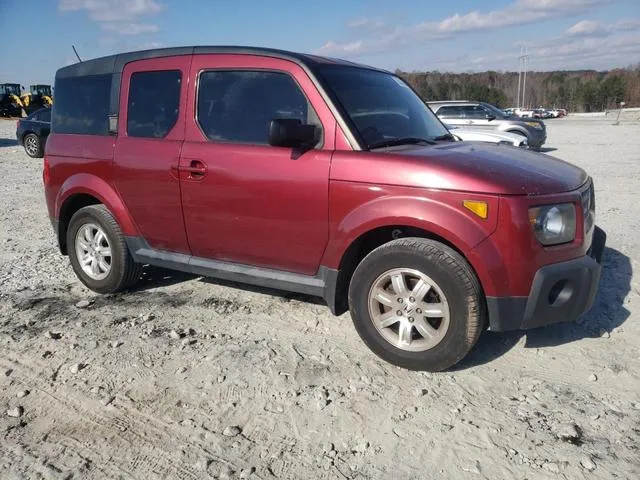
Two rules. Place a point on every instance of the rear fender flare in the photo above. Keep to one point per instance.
(87, 184)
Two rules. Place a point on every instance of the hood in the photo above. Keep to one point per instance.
(478, 134)
(472, 167)
(500, 169)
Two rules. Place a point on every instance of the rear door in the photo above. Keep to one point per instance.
(245, 201)
(150, 137)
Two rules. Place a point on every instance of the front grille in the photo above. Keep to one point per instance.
(588, 207)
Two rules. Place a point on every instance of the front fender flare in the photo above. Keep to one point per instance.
(444, 220)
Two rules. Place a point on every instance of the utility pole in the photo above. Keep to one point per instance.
(519, 76)
(525, 58)
(522, 67)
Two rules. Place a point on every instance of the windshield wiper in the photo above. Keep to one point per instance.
(445, 136)
(401, 141)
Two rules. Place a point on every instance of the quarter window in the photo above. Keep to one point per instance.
(44, 115)
(153, 105)
(238, 106)
(82, 105)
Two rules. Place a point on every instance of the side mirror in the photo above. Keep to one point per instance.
(490, 117)
(292, 133)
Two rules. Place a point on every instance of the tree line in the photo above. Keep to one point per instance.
(576, 91)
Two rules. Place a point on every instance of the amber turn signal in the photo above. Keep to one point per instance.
(481, 209)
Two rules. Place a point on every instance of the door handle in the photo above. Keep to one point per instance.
(196, 170)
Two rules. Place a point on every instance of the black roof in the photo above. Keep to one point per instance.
(115, 63)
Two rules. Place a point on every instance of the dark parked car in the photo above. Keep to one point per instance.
(32, 132)
(317, 176)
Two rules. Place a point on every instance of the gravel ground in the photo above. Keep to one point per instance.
(190, 378)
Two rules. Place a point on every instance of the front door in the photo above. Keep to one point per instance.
(245, 201)
(476, 116)
(150, 136)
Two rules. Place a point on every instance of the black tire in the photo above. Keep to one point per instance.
(453, 275)
(33, 146)
(124, 272)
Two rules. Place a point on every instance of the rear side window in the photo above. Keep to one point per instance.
(44, 115)
(82, 105)
(154, 100)
(238, 106)
(449, 111)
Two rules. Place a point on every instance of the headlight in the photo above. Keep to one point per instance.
(553, 224)
(536, 125)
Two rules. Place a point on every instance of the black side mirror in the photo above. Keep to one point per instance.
(292, 133)
(490, 117)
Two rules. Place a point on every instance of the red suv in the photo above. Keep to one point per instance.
(317, 176)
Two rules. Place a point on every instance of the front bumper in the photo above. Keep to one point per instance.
(537, 138)
(560, 292)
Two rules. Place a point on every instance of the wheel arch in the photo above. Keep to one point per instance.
(517, 130)
(368, 241)
(24, 134)
(83, 190)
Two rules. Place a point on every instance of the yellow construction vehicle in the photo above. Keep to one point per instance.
(39, 96)
(10, 102)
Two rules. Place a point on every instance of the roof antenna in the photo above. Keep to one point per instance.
(76, 52)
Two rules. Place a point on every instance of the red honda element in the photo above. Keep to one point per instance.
(317, 176)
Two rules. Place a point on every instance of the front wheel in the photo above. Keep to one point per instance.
(417, 304)
(98, 251)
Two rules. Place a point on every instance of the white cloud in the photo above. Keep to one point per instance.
(519, 12)
(129, 28)
(589, 28)
(364, 22)
(560, 53)
(585, 27)
(117, 16)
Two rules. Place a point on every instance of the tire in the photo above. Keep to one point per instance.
(122, 271)
(33, 145)
(455, 289)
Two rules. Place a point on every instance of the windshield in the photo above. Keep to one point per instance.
(41, 90)
(10, 89)
(381, 107)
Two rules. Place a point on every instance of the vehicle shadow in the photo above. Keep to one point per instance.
(155, 277)
(546, 149)
(607, 313)
(284, 295)
(8, 142)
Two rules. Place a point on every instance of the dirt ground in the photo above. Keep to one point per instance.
(190, 378)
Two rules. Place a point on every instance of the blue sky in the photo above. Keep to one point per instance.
(451, 35)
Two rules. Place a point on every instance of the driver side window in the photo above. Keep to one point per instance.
(474, 112)
(238, 106)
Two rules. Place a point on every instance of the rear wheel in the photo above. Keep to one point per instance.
(33, 146)
(417, 304)
(98, 252)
